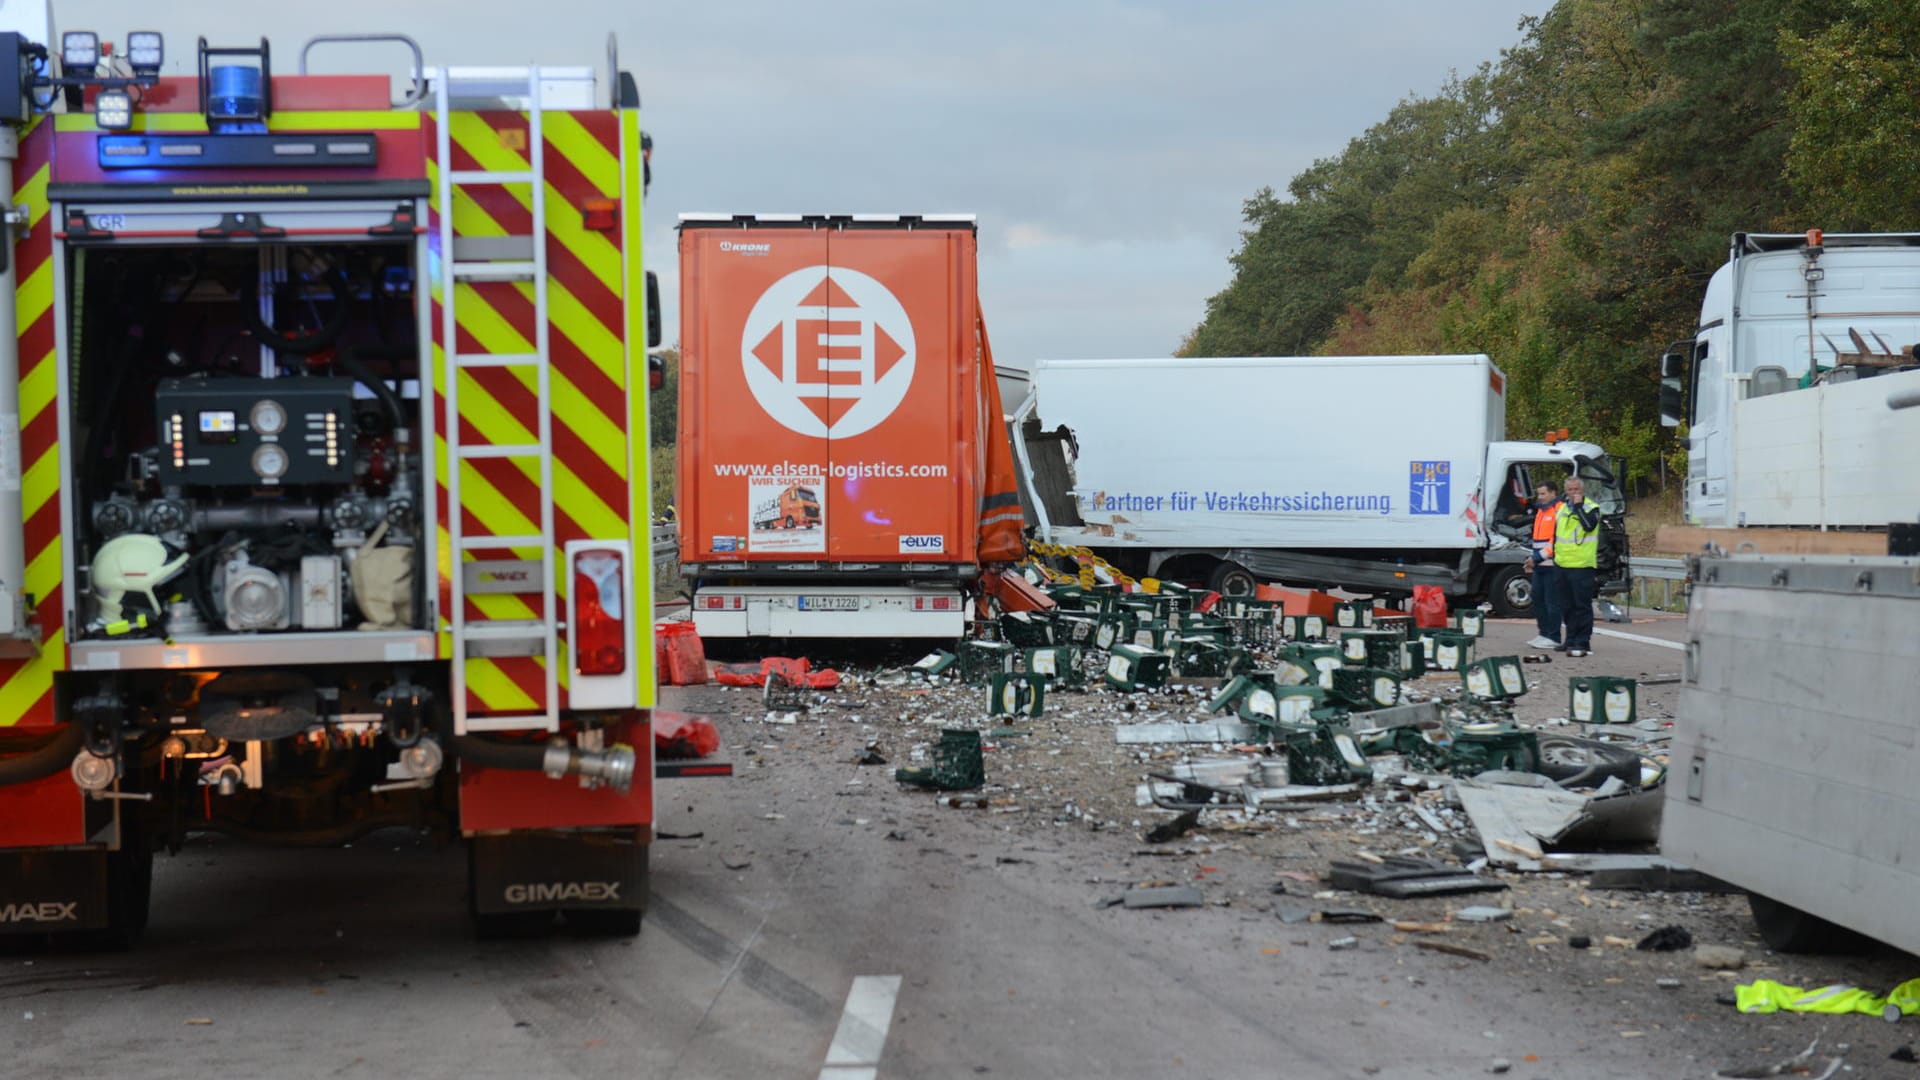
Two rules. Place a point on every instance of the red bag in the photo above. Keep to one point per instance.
(686, 656)
(1430, 607)
(1208, 603)
(678, 735)
(798, 672)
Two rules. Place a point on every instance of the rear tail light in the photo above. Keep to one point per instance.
(721, 603)
(936, 603)
(599, 612)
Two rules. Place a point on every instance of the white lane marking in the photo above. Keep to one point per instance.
(1642, 638)
(855, 1053)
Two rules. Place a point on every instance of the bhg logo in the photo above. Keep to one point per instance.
(828, 352)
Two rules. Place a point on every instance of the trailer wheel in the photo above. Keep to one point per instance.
(1232, 579)
(1788, 929)
(1511, 593)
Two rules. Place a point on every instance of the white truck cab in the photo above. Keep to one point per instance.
(1783, 386)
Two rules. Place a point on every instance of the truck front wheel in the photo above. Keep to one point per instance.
(1511, 593)
(1232, 579)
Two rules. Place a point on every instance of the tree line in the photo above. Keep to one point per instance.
(1562, 207)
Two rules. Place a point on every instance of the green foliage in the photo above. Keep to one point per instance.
(661, 463)
(663, 405)
(1561, 209)
(1856, 115)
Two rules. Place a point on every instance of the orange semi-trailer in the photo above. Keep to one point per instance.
(842, 355)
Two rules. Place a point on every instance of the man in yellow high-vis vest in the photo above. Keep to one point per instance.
(1576, 550)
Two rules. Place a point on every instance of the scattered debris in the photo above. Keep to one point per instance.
(1347, 915)
(869, 756)
(1343, 944)
(1165, 896)
(1719, 957)
(1173, 830)
(1483, 914)
(1403, 877)
(1452, 950)
(1666, 939)
(1667, 983)
(1803, 1064)
(1579, 941)
(735, 862)
(1500, 1065)
(1906, 1054)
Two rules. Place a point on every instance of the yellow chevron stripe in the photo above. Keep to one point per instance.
(33, 196)
(38, 388)
(31, 679)
(595, 250)
(324, 120)
(570, 406)
(35, 295)
(601, 344)
(480, 140)
(584, 152)
(633, 351)
(40, 482)
(594, 427)
(491, 686)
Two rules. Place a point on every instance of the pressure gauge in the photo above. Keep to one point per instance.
(270, 461)
(268, 418)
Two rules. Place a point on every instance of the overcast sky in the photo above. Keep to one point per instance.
(1105, 146)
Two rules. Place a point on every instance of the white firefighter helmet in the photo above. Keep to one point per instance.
(131, 563)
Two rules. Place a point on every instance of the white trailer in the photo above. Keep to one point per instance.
(1373, 473)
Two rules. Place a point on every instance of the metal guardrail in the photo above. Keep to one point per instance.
(1667, 572)
(666, 543)
(1659, 569)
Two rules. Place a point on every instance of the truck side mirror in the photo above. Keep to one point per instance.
(1673, 365)
(653, 310)
(1673, 400)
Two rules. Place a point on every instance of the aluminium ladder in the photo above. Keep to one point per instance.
(507, 637)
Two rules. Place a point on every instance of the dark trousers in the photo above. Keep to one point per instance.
(1577, 590)
(1547, 601)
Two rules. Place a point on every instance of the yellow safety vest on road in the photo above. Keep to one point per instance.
(1766, 996)
(1574, 547)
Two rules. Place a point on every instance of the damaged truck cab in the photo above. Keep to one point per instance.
(1373, 474)
(318, 448)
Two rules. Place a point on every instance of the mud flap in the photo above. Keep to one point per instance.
(559, 870)
(44, 892)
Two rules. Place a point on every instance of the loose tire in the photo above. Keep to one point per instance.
(1587, 762)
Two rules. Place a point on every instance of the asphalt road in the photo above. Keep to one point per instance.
(816, 912)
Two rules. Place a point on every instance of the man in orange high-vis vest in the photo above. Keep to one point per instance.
(1548, 605)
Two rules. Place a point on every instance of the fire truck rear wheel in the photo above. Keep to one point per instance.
(129, 896)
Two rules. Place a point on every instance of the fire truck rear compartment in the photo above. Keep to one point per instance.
(245, 421)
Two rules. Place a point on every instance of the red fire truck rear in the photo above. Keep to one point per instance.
(321, 416)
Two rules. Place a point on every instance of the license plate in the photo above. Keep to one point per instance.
(829, 603)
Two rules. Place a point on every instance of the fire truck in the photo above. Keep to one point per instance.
(323, 458)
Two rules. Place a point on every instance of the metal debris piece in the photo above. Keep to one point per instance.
(1165, 896)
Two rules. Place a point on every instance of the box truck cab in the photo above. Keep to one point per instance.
(1783, 386)
(1370, 473)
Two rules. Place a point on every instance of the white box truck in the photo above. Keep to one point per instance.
(1369, 473)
